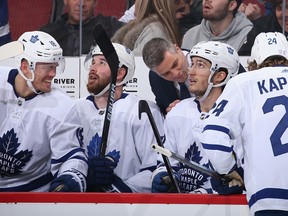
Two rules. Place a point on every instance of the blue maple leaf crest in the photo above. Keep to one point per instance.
(230, 50)
(12, 162)
(34, 38)
(94, 146)
(94, 149)
(193, 154)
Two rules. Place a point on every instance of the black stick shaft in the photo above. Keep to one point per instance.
(110, 54)
(144, 107)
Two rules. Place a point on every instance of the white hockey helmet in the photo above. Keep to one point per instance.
(126, 58)
(220, 55)
(40, 47)
(267, 45)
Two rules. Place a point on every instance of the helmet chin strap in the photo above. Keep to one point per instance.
(210, 86)
(102, 92)
(29, 81)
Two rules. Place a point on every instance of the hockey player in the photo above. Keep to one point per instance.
(253, 107)
(129, 159)
(213, 64)
(40, 130)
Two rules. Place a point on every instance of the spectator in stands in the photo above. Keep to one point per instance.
(271, 22)
(5, 35)
(188, 13)
(192, 18)
(66, 29)
(154, 18)
(221, 22)
(251, 10)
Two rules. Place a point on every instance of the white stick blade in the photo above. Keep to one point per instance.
(11, 49)
(161, 150)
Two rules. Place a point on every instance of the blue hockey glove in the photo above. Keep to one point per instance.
(161, 182)
(234, 186)
(100, 172)
(65, 183)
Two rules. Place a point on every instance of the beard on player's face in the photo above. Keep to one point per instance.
(97, 86)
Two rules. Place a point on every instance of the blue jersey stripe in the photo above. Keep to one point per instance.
(271, 193)
(33, 185)
(67, 156)
(217, 147)
(218, 128)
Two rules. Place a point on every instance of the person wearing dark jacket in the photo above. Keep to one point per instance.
(66, 28)
(271, 22)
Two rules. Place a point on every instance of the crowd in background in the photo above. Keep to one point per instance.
(192, 50)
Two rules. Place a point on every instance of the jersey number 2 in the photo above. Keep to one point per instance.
(275, 138)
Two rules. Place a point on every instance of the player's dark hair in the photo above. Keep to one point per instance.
(269, 62)
(239, 2)
(154, 50)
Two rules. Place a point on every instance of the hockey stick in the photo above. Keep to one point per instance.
(11, 49)
(103, 41)
(144, 107)
(185, 161)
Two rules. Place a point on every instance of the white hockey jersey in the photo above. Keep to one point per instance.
(129, 139)
(254, 107)
(39, 137)
(182, 126)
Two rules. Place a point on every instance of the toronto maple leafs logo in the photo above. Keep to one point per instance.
(34, 38)
(191, 179)
(11, 161)
(230, 50)
(94, 149)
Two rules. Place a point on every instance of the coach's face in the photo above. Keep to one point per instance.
(174, 67)
(99, 74)
(198, 76)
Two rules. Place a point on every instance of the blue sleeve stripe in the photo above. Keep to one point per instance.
(217, 147)
(270, 193)
(218, 128)
(67, 156)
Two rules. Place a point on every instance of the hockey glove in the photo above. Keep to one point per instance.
(100, 172)
(161, 182)
(117, 186)
(65, 183)
(234, 186)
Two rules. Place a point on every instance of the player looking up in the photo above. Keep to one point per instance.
(213, 64)
(129, 158)
(253, 107)
(40, 130)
